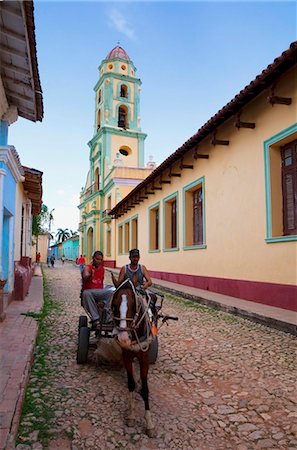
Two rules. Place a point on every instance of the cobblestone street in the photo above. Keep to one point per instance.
(220, 382)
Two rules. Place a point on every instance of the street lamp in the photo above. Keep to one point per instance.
(49, 229)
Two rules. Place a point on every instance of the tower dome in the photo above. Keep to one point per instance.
(118, 52)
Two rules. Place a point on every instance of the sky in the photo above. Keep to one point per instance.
(192, 58)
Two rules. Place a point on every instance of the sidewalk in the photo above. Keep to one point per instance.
(18, 334)
(279, 318)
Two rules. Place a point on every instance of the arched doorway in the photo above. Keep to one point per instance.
(90, 244)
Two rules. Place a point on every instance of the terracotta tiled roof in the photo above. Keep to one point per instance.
(267, 77)
(18, 59)
(118, 52)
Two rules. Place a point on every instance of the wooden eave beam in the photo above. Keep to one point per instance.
(216, 141)
(185, 166)
(143, 197)
(16, 82)
(15, 69)
(276, 100)
(10, 9)
(173, 174)
(156, 188)
(12, 34)
(149, 192)
(13, 51)
(240, 124)
(20, 96)
(164, 181)
(197, 155)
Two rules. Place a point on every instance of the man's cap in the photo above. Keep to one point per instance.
(134, 252)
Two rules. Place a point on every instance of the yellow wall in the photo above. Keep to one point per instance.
(42, 247)
(117, 142)
(235, 212)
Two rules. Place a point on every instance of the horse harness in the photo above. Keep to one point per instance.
(142, 343)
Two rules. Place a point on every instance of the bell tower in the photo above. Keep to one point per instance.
(117, 112)
(116, 153)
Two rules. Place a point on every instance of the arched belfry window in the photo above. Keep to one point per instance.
(123, 117)
(99, 96)
(124, 91)
(97, 179)
(98, 119)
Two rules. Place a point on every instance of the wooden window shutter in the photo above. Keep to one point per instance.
(197, 217)
(289, 187)
(173, 225)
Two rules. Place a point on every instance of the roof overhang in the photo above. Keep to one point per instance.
(266, 79)
(33, 187)
(18, 59)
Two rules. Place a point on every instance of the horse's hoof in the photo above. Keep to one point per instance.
(130, 422)
(150, 432)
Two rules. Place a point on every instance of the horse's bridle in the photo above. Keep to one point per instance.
(135, 321)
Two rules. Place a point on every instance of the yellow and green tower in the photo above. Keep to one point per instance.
(116, 152)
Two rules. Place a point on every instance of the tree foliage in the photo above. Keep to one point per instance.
(62, 235)
(40, 223)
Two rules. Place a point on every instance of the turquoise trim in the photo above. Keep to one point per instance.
(154, 206)
(199, 181)
(105, 129)
(195, 247)
(3, 133)
(273, 140)
(101, 237)
(123, 99)
(165, 200)
(288, 238)
(109, 174)
(131, 124)
(116, 76)
(108, 187)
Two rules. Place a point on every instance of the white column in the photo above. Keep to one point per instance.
(2, 175)
(11, 255)
(27, 236)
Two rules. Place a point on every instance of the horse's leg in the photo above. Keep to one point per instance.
(144, 366)
(128, 363)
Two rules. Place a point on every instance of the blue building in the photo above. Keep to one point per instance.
(20, 95)
(70, 248)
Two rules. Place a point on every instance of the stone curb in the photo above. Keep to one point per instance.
(252, 316)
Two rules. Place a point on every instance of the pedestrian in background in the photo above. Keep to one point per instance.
(81, 262)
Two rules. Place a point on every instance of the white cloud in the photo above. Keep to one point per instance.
(65, 216)
(119, 22)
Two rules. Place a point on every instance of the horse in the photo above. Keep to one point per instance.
(133, 334)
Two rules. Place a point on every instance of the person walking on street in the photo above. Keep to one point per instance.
(81, 262)
(52, 259)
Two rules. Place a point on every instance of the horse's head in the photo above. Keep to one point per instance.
(124, 308)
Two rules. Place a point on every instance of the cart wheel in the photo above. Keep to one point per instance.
(153, 351)
(83, 345)
(82, 322)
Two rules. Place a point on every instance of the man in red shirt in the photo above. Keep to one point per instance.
(81, 262)
(93, 290)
